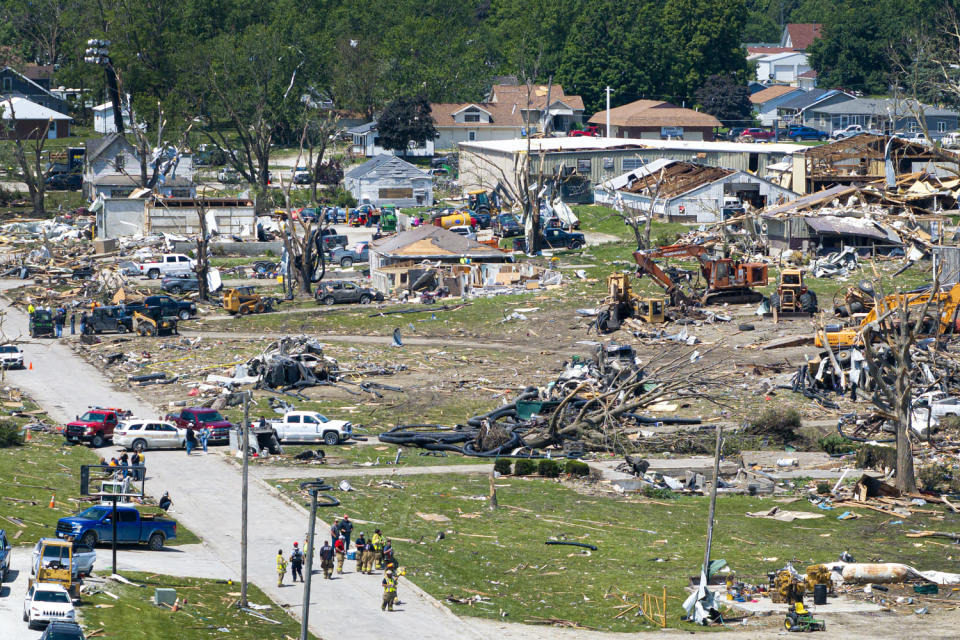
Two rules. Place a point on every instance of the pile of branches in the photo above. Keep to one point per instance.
(591, 406)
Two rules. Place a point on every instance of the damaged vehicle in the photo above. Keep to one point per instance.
(344, 291)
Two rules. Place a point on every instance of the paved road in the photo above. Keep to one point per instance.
(206, 493)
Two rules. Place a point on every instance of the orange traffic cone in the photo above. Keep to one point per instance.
(52, 500)
(31, 366)
(29, 436)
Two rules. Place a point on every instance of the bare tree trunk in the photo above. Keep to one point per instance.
(202, 268)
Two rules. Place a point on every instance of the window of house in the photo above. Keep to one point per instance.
(471, 135)
(942, 126)
(8, 84)
(119, 161)
(471, 117)
(584, 165)
(914, 126)
(629, 164)
(608, 164)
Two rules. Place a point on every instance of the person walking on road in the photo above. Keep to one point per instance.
(334, 531)
(340, 549)
(73, 323)
(346, 528)
(389, 584)
(281, 567)
(326, 560)
(204, 437)
(296, 562)
(31, 308)
(361, 543)
(58, 320)
(191, 441)
(83, 323)
(368, 556)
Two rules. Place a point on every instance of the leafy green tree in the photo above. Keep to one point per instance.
(726, 99)
(405, 121)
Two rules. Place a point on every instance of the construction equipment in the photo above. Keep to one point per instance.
(244, 300)
(150, 322)
(792, 296)
(727, 280)
(55, 565)
(388, 218)
(787, 587)
(800, 619)
(622, 303)
(946, 303)
(483, 202)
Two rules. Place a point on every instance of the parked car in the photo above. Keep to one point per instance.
(852, 130)
(200, 417)
(96, 525)
(482, 219)
(228, 176)
(140, 435)
(347, 257)
(798, 133)
(756, 134)
(64, 182)
(11, 357)
(167, 264)
(343, 291)
(179, 283)
(301, 175)
(590, 130)
(506, 225)
(734, 133)
(94, 427)
(310, 426)
(464, 230)
(110, 319)
(951, 140)
(47, 602)
(169, 307)
(84, 557)
(62, 630)
(918, 137)
(5, 550)
(554, 238)
(330, 239)
(41, 324)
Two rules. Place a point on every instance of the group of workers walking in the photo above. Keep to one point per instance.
(377, 550)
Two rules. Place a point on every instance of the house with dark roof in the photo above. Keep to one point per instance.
(766, 102)
(799, 35)
(791, 111)
(387, 179)
(21, 85)
(807, 80)
(657, 120)
(111, 168)
(881, 114)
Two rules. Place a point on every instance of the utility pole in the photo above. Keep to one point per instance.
(713, 504)
(243, 499)
(314, 488)
(608, 111)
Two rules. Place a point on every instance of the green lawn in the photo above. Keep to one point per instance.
(643, 545)
(40, 469)
(210, 611)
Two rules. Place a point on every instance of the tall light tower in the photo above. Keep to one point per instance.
(98, 52)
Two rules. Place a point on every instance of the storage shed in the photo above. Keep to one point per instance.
(387, 179)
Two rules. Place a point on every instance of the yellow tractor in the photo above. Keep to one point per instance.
(792, 296)
(622, 303)
(154, 324)
(55, 565)
(244, 300)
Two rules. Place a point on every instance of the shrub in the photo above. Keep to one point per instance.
(931, 476)
(776, 423)
(836, 444)
(876, 457)
(524, 467)
(548, 468)
(577, 468)
(657, 493)
(502, 466)
(823, 488)
(10, 435)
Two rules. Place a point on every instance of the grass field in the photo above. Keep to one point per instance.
(40, 469)
(643, 545)
(210, 611)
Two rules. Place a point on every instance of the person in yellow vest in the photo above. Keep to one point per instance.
(281, 567)
(31, 308)
(389, 591)
(377, 541)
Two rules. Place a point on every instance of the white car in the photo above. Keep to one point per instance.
(140, 435)
(84, 557)
(310, 426)
(951, 140)
(168, 264)
(46, 602)
(465, 231)
(11, 357)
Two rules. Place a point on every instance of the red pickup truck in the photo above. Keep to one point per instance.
(589, 131)
(198, 417)
(755, 134)
(95, 426)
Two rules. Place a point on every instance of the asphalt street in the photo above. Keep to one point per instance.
(206, 495)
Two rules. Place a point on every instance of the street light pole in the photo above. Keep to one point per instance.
(243, 499)
(314, 488)
(98, 52)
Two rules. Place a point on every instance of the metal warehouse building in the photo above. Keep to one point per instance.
(594, 160)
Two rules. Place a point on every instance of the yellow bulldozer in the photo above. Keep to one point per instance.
(154, 323)
(55, 565)
(244, 300)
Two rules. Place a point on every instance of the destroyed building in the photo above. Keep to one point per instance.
(112, 170)
(386, 179)
(690, 192)
(149, 214)
(397, 261)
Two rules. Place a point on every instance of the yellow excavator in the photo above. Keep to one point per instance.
(947, 302)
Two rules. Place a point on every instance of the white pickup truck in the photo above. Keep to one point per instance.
(310, 426)
(930, 407)
(168, 264)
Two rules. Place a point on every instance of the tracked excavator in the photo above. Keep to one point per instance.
(727, 280)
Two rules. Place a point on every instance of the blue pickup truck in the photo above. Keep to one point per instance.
(96, 525)
(5, 550)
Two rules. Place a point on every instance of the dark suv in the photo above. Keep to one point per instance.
(334, 291)
(179, 283)
(114, 318)
(506, 225)
(62, 630)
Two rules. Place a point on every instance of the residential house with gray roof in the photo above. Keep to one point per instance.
(887, 115)
(387, 179)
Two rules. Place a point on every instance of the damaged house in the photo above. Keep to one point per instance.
(111, 169)
(690, 192)
(397, 262)
(387, 179)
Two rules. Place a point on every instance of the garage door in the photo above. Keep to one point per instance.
(396, 193)
(783, 73)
